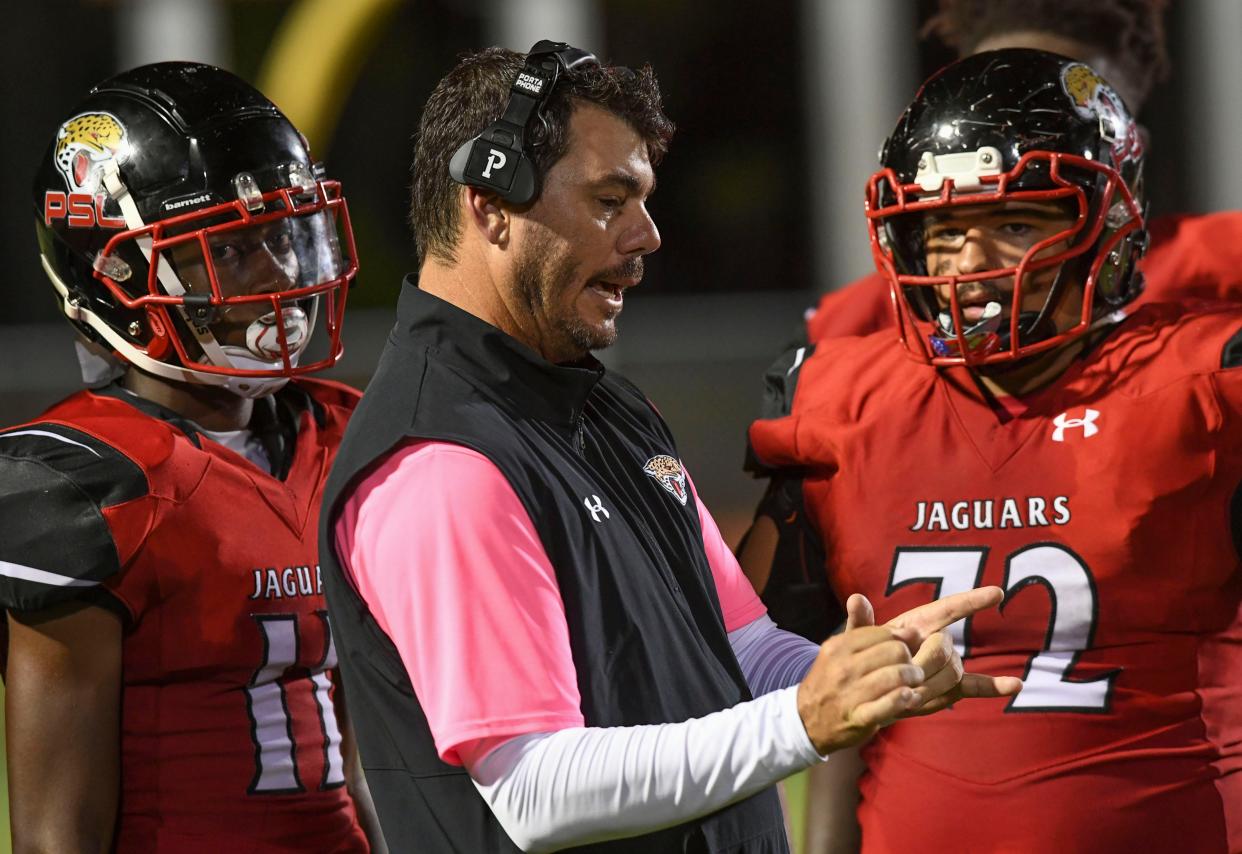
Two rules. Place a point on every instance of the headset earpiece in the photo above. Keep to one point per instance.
(492, 165)
(496, 159)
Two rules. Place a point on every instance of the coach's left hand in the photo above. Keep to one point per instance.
(945, 681)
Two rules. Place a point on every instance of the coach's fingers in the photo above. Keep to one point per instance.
(942, 613)
(935, 652)
(859, 639)
(884, 680)
(981, 685)
(858, 612)
(941, 682)
(891, 652)
(971, 686)
(882, 711)
(930, 707)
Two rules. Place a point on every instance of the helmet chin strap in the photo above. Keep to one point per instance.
(1033, 326)
(259, 340)
(1030, 324)
(252, 387)
(221, 356)
(164, 272)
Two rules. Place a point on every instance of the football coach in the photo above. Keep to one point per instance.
(544, 639)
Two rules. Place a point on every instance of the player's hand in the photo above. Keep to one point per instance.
(861, 680)
(945, 679)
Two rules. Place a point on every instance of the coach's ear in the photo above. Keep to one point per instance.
(487, 215)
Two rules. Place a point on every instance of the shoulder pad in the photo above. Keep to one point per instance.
(1231, 355)
(781, 380)
(55, 483)
(104, 473)
(779, 384)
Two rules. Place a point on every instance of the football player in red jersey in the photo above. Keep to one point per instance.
(1124, 41)
(1046, 437)
(170, 669)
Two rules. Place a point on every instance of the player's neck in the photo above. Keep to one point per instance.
(207, 406)
(1030, 375)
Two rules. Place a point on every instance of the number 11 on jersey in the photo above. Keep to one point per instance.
(273, 715)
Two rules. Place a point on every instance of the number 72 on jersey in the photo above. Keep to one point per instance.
(1049, 686)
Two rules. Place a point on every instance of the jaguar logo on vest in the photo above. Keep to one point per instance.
(668, 472)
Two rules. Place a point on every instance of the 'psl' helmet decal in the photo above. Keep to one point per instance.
(669, 473)
(1094, 98)
(83, 145)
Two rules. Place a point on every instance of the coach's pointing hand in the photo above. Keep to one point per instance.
(860, 681)
(945, 680)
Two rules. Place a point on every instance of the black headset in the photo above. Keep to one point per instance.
(496, 159)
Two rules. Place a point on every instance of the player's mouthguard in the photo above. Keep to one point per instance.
(980, 335)
(989, 321)
(263, 339)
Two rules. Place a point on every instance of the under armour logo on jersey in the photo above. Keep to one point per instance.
(1063, 422)
(595, 508)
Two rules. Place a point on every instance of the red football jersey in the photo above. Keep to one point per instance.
(1110, 513)
(1192, 256)
(229, 738)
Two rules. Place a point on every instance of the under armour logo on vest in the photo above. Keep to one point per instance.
(596, 508)
(1064, 422)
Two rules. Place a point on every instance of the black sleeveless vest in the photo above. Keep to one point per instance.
(595, 467)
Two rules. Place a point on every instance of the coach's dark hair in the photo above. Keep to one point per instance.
(474, 94)
(1129, 32)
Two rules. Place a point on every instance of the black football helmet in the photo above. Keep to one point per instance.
(186, 228)
(1007, 126)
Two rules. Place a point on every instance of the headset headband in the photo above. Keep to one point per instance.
(497, 159)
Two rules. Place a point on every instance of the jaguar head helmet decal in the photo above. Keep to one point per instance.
(1094, 98)
(83, 145)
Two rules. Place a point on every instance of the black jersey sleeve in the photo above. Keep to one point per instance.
(55, 541)
(780, 382)
(1231, 354)
(797, 594)
(1231, 359)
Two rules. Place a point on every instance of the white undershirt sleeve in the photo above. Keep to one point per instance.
(553, 790)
